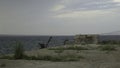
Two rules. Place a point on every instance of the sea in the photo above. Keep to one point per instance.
(7, 43)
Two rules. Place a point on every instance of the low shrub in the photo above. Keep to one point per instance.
(107, 48)
(6, 57)
(78, 48)
(59, 57)
(3, 65)
(64, 58)
(59, 52)
(69, 48)
(55, 58)
(56, 48)
(19, 51)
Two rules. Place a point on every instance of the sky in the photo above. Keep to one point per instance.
(59, 17)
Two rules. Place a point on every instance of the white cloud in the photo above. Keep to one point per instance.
(58, 7)
(68, 5)
(86, 9)
(83, 14)
(116, 0)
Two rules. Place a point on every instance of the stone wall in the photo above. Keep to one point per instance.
(86, 39)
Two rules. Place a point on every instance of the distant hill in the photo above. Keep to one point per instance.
(112, 33)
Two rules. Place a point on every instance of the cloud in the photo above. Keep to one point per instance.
(58, 7)
(83, 14)
(84, 9)
(116, 0)
(86, 5)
